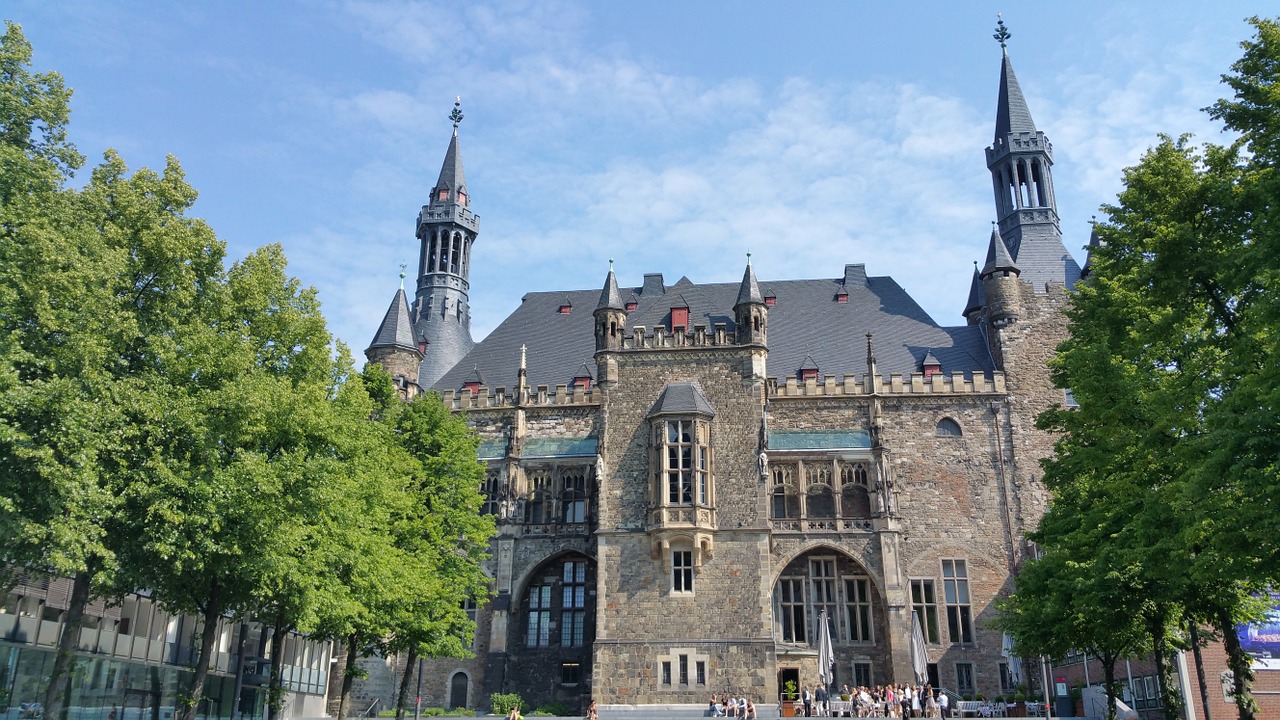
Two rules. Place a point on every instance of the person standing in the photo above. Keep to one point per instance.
(807, 697)
(821, 695)
(944, 704)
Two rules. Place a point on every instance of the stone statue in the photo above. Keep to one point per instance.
(762, 464)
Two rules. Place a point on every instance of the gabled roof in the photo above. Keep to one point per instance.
(585, 371)
(682, 398)
(930, 359)
(474, 377)
(804, 322)
(1012, 114)
(396, 330)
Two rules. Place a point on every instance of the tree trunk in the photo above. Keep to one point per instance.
(68, 642)
(1109, 678)
(347, 678)
(403, 698)
(1204, 686)
(1238, 661)
(275, 693)
(1172, 703)
(212, 613)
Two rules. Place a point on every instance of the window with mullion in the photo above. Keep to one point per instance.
(955, 587)
(924, 602)
(857, 593)
(679, 462)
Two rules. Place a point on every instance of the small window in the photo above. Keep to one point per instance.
(682, 571)
(684, 669)
(949, 428)
(862, 674)
(666, 672)
(1069, 398)
(570, 674)
(701, 668)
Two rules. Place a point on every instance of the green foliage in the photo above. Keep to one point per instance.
(1166, 476)
(554, 708)
(502, 703)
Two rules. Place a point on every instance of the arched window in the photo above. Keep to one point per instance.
(785, 500)
(854, 500)
(557, 606)
(948, 428)
(540, 508)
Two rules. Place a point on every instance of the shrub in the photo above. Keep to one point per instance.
(503, 702)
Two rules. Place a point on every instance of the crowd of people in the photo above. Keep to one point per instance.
(894, 701)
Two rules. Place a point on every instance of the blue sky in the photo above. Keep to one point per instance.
(672, 137)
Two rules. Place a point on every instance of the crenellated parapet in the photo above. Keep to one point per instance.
(912, 384)
(662, 338)
(501, 397)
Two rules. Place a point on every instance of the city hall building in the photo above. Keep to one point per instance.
(686, 476)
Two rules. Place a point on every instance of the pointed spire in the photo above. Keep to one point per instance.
(977, 296)
(1012, 115)
(1094, 243)
(396, 329)
(452, 177)
(610, 298)
(749, 291)
(998, 257)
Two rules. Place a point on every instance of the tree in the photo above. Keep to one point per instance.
(1173, 360)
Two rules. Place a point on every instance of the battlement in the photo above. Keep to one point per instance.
(913, 384)
(641, 338)
(500, 397)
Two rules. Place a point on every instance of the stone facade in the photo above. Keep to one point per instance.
(674, 521)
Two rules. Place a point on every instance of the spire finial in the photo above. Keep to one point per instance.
(610, 264)
(748, 257)
(1002, 32)
(456, 115)
(403, 265)
(522, 351)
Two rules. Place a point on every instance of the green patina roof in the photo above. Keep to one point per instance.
(491, 449)
(818, 439)
(559, 447)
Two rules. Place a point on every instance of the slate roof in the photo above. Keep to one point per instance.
(806, 321)
(977, 295)
(610, 298)
(1012, 114)
(749, 290)
(396, 330)
(998, 258)
(451, 174)
(682, 398)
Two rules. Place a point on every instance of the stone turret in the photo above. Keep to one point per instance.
(750, 315)
(1000, 283)
(397, 348)
(1020, 160)
(610, 314)
(446, 229)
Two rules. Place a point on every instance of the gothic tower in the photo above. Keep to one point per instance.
(447, 228)
(1020, 160)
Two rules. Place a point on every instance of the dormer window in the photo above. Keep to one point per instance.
(769, 298)
(565, 307)
(842, 297)
(679, 319)
(632, 305)
(930, 366)
(462, 197)
(442, 194)
(808, 369)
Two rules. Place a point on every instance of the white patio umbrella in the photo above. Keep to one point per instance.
(826, 656)
(919, 655)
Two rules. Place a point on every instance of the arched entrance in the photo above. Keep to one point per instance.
(458, 690)
(552, 630)
(828, 580)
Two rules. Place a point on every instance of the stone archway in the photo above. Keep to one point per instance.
(458, 686)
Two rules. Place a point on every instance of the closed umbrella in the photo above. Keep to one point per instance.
(826, 656)
(919, 655)
(1012, 660)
